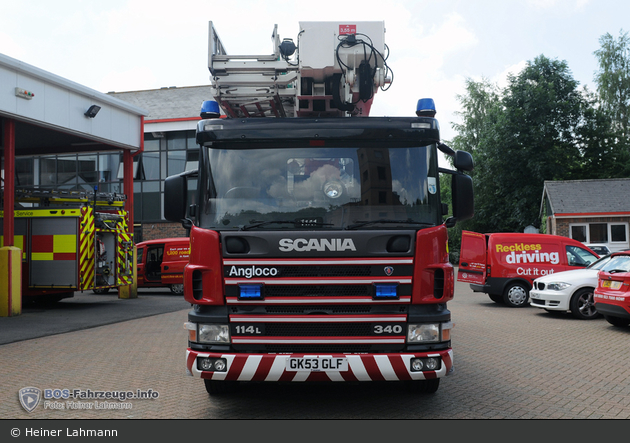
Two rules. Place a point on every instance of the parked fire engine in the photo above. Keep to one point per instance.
(72, 241)
(318, 245)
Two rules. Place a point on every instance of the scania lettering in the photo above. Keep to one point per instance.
(318, 234)
(304, 245)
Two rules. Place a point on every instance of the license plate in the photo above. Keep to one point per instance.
(317, 364)
(611, 284)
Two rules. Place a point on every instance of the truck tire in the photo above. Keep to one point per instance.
(582, 305)
(617, 321)
(424, 386)
(215, 387)
(100, 290)
(177, 289)
(516, 295)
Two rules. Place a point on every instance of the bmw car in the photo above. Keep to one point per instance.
(569, 291)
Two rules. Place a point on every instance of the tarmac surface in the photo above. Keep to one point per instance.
(510, 363)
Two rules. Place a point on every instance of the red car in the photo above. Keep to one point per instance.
(612, 296)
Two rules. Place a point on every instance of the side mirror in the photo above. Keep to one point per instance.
(175, 191)
(463, 161)
(463, 198)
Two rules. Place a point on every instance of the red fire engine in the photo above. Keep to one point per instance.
(71, 241)
(318, 244)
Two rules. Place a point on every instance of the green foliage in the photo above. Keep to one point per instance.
(540, 127)
(613, 79)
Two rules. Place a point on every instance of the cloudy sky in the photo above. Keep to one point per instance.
(125, 45)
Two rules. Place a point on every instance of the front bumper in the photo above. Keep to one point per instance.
(361, 367)
(550, 300)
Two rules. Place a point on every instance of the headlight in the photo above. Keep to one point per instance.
(429, 332)
(424, 333)
(213, 334)
(557, 286)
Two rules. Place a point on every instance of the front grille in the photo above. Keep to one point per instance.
(310, 271)
(320, 309)
(324, 271)
(318, 291)
(318, 329)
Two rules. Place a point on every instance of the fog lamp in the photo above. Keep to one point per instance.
(431, 364)
(212, 364)
(220, 365)
(205, 364)
(416, 364)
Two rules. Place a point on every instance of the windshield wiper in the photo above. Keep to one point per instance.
(361, 223)
(297, 223)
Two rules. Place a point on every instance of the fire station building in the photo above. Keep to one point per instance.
(58, 135)
(169, 149)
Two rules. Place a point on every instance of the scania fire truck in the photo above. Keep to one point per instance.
(318, 240)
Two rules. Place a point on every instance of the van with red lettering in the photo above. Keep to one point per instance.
(504, 265)
(161, 263)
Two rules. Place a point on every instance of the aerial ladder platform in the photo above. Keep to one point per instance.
(334, 71)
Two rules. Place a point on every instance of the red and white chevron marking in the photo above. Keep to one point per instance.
(361, 367)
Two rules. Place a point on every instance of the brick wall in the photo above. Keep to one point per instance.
(154, 231)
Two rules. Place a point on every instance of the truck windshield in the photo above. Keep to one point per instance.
(319, 188)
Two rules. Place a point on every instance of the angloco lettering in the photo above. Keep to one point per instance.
(249, 272)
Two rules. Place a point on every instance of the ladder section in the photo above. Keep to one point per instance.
(252, 85)
(334, 71)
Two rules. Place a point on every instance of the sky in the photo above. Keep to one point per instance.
(434, 45)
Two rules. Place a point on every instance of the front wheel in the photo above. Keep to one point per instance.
(617, 321)
(582, 305)
(177, 289)
(516, 295)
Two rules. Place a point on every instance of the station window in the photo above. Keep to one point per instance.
(614, 234)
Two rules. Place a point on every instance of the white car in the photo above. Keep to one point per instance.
(569, 290)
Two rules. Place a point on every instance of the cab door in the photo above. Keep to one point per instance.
(153, 263)
(176, 256)
(472, 258)
(140, 265)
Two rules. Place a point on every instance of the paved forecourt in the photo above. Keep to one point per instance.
(510, 363)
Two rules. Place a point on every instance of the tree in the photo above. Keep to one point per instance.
(613, 79)
(478, 102)
(520, 137)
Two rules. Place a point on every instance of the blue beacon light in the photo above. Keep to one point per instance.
(210, 109)
(426, 108)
